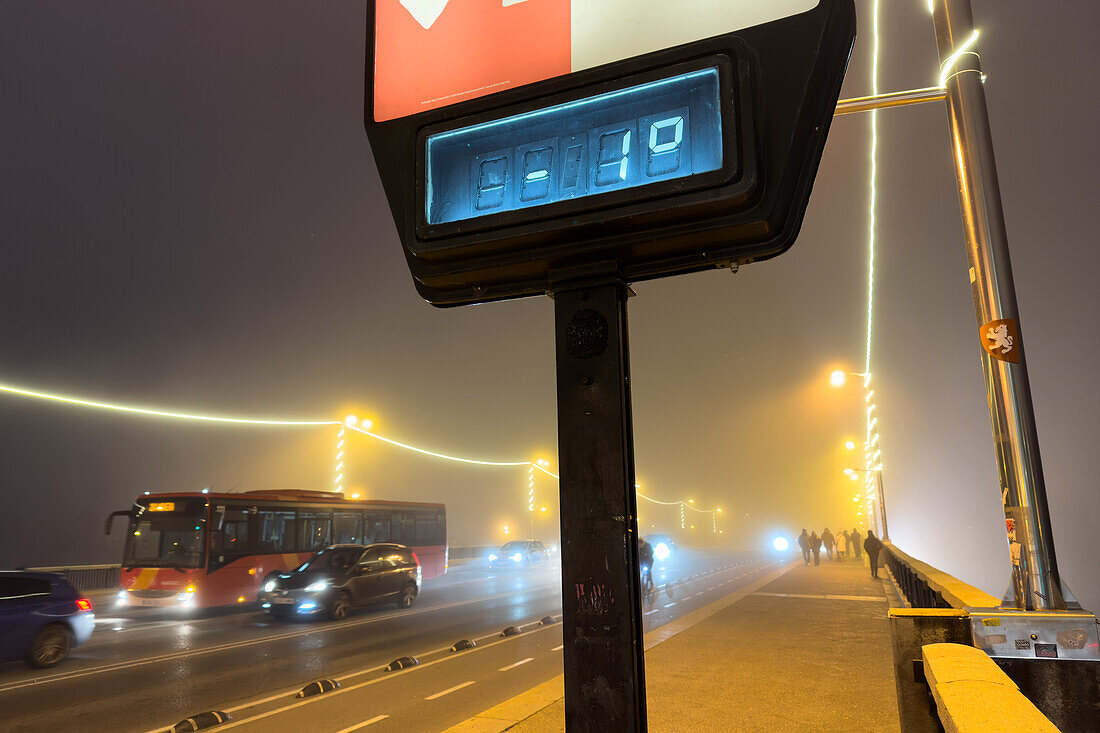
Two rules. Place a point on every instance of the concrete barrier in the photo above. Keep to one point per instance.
(973, 695)
(86, 577)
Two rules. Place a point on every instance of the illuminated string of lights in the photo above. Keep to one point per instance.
(947, 68)
(150, 412)
(349, 423)
(432, 453)
(338, 482)
(872, 437)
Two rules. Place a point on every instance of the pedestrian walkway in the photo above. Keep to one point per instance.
(806, 649)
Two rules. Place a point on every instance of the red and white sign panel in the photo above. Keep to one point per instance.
(431, 53)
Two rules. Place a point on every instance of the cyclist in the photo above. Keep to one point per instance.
(645, 559)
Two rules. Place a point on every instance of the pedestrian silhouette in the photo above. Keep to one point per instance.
(815, 547)
(873, 546)
(829, 541)
(804, 543)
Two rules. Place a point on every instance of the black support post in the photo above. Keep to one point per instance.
(602, 622)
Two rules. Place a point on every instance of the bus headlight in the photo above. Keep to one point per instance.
(123, 598)
(187, 597)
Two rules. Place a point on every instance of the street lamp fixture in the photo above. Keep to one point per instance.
(839, 377)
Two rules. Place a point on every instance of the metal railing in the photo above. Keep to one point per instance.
(86, 577)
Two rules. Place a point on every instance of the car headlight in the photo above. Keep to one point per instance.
(269, 586)
(492, 557)
(661, 551)
(518, 557)
(317, 587)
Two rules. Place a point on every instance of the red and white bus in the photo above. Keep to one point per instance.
(194, 550)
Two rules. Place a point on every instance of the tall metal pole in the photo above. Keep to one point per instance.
(601, 603)
(1035, 580)
(882, 507)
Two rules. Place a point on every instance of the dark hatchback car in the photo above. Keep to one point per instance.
(342, 577)
(42, 617)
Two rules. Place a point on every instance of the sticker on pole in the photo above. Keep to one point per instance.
(1001, 339)
(432, 53)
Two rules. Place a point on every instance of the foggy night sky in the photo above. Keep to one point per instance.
(190, 218)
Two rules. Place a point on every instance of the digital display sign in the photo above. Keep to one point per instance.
(665, 129)
(529, 146)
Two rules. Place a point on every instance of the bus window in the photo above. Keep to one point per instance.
(403, 528)
(276, 530)
(314, 530)
(231, 542)
(347, 527)
(377, 528)
(427, 530)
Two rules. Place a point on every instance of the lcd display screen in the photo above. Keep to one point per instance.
(658, 131)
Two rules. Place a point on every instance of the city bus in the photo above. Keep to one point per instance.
(198, 549)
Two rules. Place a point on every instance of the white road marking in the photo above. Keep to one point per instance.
(711, 588)
(449, 690)
(251, 642)
(558, 648)
(370, 682)
(513, 666)
(670, 605)
(364, 724)
(346, 689)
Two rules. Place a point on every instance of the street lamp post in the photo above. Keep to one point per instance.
(883, 526)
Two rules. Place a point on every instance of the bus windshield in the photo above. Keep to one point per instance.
(166, 534)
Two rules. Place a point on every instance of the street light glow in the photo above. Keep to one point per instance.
(838, 378)
(850, 445)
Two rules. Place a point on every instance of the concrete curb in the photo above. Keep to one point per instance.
(511, 712)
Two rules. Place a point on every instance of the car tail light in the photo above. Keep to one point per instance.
(416, 559)
(83, 604)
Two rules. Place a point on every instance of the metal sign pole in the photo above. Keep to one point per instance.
(602, 613)
(1035, 580)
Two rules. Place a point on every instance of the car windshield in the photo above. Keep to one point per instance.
(335, 558)
(513, 547)
(166, 534)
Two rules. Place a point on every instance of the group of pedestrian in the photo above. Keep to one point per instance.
(840, 547)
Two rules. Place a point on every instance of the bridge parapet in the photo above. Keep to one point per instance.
(1050, 656)
(86, 577)
(923, 586)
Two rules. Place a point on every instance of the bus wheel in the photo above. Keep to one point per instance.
(408, 595)
(341, 604)
(51, 644)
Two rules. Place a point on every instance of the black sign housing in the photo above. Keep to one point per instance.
(779, 83)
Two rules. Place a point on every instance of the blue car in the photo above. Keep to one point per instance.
(42, 617)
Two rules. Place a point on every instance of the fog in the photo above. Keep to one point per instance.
(191, 220)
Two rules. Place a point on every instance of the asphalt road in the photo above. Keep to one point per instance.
(143, 671)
